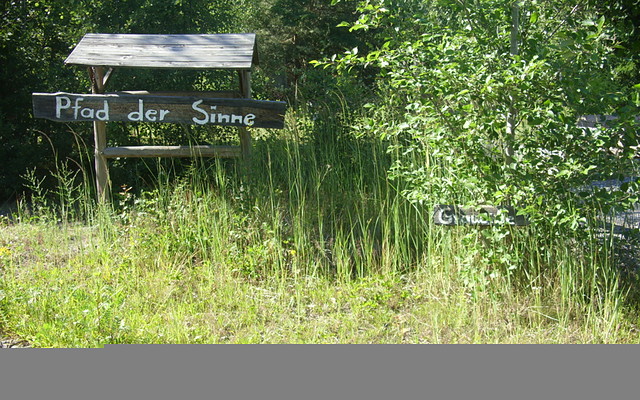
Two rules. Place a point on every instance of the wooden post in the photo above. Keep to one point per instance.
(100, 138)
(243, 133)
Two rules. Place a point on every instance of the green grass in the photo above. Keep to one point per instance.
(308, 243)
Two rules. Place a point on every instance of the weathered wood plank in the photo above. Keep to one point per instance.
(150, 38)
(107, 59)
(226, 51)
(159, 64)
(71, 107)
(172, 151)
(480, 216)
(162, 54)
(167, 63)
(173, 49)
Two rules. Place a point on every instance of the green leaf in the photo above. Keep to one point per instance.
(534, 17)
(600, 23)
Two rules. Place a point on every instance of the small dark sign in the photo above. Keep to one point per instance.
(480, 215)
(70, 107)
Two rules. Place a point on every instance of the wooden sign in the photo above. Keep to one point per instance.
(481, 215)
(69, 107)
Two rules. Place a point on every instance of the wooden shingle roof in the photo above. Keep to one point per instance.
(192, 51)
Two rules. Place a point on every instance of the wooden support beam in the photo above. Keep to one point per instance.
(245, 142)
(243, 133)
(100, 137)
(245, 84)
(107, 76)
(172, 151)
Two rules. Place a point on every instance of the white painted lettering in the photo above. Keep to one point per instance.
(163, 113)
(103, 115)
(236, 119)
(76, 107)
(224, 118)
(150, 115)
(249, 119)
(137, 115)
(87, 113)
(200, 110)
(60, 105)
(212, 116)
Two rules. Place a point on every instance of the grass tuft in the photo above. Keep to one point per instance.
(308, 242)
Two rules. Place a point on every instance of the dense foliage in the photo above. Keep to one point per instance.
(482, 100)
(451, 57)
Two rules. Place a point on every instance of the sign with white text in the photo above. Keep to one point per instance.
(68, 107)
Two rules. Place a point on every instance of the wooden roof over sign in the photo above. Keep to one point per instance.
(193, 51)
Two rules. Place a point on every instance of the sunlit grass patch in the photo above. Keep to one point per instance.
(303, 244)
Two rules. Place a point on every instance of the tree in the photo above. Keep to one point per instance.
(294, 32)
(624, 17)
(474, 123)
(35, 37)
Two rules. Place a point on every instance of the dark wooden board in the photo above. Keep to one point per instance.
(70, 107)
(481, 216)
(220, 51)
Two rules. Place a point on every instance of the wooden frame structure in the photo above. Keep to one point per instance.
(101, 54)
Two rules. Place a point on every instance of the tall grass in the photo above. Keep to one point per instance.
(308, 241)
